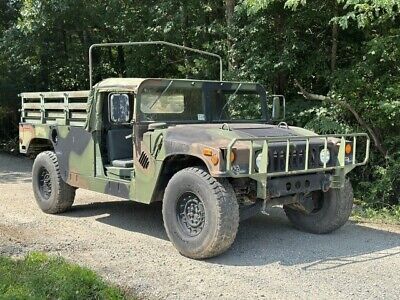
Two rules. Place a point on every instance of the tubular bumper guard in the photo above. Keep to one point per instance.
(261, 174)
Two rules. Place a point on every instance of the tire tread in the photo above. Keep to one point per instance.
(228, 212)
(334, 217)
(65, 193)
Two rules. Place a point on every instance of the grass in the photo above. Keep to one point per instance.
(39, 276)
(386, 215)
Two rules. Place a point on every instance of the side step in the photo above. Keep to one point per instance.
(120, 173)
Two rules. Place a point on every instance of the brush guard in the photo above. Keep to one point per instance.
(263, 145)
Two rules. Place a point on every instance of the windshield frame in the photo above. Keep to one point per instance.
(207, 88)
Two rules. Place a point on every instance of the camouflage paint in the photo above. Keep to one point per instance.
(81, 164)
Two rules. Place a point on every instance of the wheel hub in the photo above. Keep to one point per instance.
(45, 183)
(191, 213)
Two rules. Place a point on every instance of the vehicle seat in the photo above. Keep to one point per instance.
(120, 149)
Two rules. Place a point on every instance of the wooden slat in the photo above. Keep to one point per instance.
(78, 115)
(53, 122)
(31, 106)
(55, 114)
(35, 114)
(32, 120)
(70, 94)
(58, 106)
(61, 106)
(77, 106)
(77, 123)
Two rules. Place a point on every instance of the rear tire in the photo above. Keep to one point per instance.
(333, 211)
(52, 194)
(201, 213)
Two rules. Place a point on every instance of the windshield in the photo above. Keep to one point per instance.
(185, 101)
(172, 103)
(239, 105)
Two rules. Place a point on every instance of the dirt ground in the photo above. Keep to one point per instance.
(126, 243)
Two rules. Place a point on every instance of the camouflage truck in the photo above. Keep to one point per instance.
(209, 150)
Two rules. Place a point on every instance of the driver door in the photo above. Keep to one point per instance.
(118, 135)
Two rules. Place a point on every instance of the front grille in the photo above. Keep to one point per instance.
(297, 155)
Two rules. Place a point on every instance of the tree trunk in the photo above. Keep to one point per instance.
(229, 10)
(335, 37)
(64, 43)
(281, 78)
(184, 30)
(229, 14)
(121, 62)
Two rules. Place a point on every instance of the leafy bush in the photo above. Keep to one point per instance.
(387, 214)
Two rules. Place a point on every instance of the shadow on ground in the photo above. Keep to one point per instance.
(268, 239)
(126, 215)
(14, 169)
(261, 240)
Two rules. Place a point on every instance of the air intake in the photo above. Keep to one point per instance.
(144, 160)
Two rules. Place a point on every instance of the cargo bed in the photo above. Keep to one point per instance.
(62, 108)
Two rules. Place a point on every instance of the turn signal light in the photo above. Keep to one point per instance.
(233, 156)
(207, 152)
(348, 148)
(215, 159)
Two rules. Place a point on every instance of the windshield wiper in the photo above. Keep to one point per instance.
(229, 100)
(162, 94)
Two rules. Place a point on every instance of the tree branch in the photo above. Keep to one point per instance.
(310, 96)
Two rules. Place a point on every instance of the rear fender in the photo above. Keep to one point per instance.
(34, 139)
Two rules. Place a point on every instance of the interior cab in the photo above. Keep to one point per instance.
(117, 147)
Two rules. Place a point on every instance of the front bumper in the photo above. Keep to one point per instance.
(339, 165)
(298, 184)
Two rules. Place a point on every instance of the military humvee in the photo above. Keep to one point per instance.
(209, 150)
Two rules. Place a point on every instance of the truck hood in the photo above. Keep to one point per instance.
(220, 135)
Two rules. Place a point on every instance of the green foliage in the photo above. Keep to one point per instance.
(366, 12)
(372, 87)
(38, 276)
(366, 76)
(387, 214)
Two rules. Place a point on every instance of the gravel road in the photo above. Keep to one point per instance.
(127, 244)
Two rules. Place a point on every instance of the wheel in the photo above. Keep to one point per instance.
(201, 213)
(52, 194)
(331, 211)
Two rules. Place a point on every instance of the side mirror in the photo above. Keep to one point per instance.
(278, 107)
(119, 108)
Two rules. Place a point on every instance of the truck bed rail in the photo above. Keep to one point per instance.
(62, 108)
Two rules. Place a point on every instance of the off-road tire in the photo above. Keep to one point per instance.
(61, 195)
(334, 213)
(221, 213)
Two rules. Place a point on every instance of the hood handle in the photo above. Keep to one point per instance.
(283, 125)
(226, 126)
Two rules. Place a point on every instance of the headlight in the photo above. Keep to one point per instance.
(324, 156)
(258, 161)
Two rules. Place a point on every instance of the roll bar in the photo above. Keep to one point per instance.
(147, 43)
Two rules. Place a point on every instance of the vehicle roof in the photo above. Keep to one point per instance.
(134, 83)
(123, 83)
